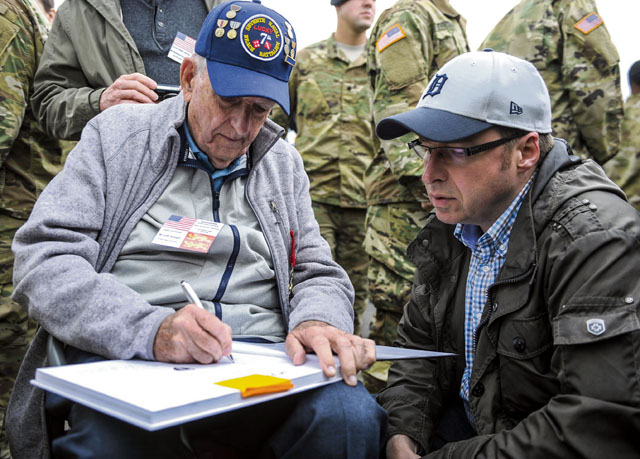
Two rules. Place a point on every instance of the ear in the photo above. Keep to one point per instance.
(529, 151)
(187, 77)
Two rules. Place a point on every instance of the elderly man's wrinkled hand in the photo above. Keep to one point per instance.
(192, 335)
(354, 353)
(134, 88)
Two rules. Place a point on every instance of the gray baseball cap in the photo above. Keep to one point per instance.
(472, 93)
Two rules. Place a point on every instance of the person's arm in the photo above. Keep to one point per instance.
(413, 397)
(321, 306)
(17, 62)
(65, 95)
(591, 76)
(590, 271)
(55, 272)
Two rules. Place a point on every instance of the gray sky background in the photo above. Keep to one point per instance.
(315, 20)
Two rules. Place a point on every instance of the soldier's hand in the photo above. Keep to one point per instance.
(354, 353)
(192, 335)
(134, 88)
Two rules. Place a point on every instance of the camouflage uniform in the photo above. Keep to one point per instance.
(580, 68)
(624, 169)
(330, 113)
(408, 44)
(28, 160)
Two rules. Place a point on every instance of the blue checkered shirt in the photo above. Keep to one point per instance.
(488, 253)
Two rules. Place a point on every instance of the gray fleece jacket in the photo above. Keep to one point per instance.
(65, 251)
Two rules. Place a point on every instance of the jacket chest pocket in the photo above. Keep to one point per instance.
(524, 348)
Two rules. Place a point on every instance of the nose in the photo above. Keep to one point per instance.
(241, 119)
(434, 170)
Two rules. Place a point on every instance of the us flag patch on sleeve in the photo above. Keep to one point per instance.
(392, 35)
(589, 23)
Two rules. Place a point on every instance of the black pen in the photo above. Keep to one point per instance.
(190, 293)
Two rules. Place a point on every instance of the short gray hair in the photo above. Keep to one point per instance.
(201, 64)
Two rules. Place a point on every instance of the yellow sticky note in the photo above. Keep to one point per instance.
(257, 384)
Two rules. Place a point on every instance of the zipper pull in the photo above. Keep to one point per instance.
(292, 261)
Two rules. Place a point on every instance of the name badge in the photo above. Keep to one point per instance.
(183, 46)
(188, 233)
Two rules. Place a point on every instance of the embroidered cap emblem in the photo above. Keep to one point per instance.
(261, 37)
(596, 327)
(436, 85)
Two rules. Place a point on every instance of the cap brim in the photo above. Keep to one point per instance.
(430, 123)
(233, 81)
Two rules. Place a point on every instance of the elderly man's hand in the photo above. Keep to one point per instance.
(192, 335)
(134, 88)
(354, 353)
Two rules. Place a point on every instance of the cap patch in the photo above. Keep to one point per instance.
(515, 109)
(261, 37)
(436, 85)
(392, 35)
(589, 23)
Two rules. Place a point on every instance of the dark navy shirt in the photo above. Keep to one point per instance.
(153, 24)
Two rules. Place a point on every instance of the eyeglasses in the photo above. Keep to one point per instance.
(456, 155)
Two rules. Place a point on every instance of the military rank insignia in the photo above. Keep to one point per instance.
(261, 37)
(589, 23)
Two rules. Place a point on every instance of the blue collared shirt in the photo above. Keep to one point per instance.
(488, 254)
(217, 175)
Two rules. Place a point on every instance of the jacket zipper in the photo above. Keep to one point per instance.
(489, 302)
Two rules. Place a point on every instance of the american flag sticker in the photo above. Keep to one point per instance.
(183, 46)
(589, 23)
(391, 36)
(187, 233)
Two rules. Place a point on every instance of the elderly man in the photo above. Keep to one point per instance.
(89, 270)
(528, 271)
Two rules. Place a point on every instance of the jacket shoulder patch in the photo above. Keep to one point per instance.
(389, 37)
(589, 23)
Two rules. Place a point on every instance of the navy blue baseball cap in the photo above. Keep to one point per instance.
(250, 51)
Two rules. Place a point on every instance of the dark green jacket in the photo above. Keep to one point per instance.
(542, 385)
(88, 48)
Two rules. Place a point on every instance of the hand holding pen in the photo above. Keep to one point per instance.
(192, 297)
(192, 335)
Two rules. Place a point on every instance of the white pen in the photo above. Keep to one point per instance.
(190, 293)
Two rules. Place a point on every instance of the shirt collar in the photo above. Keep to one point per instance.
(495, 240)
(217, 175)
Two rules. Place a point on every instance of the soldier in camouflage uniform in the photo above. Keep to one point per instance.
(624, 169)
(330, 112)
(408, 44)
(28, 160)
(570, 46)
